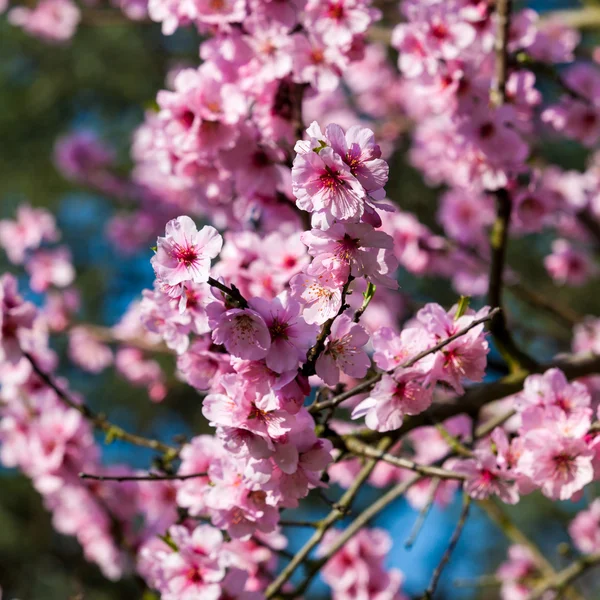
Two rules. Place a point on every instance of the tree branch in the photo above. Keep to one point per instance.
(340, 509)
(149, 477)
(113, 432)
(562, 579)
(428, 595)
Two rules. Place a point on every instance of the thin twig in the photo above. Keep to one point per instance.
(414, 534)
(563, 578)
(149, 477)
(337, 513)
(428, 595)
(113, 432)
(232, 292)
(358, 447)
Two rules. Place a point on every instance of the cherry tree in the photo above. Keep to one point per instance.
(259, 181)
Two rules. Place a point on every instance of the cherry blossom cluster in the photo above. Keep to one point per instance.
(52, 443)
(553, 449)
(276, 293)
(357, 570)
(447, 59)
(28, 241)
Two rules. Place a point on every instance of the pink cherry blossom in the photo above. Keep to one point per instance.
(291, 336)
(51, 20)
(16, 316)
(405, 392)
(50, 268)
(324, 184)
(339, 20)
(343, 351)
(559, 465)
(31, 227)
(184, 254)
(244, 333)
(567, 265)
(486, 477)
(357, 569)
(87, 352)
(321, 295)
(585, 529)
(349, 249)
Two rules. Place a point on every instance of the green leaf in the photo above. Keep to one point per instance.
(463, 304)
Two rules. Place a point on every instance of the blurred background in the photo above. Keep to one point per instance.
(103, 80)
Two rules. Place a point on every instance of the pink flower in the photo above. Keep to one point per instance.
(244, 333)
(405, 392)
(359, 151)
(87, 352)
(220, 12)
(567, 265)
(585, 529)
(196, 569)
(553, 389)
(579, 119)
(338, 21)
(485, 477)
(184, 254)
(50, 20)
(81, 155)
(196, 457)
(16, 316)
(31, 227)
(516, 573)
(240, 410)
(291, 336)
(349, 249)
(343, 351)
(131, 365)
(50, 267)
(324, 184)
(357, 570)
(465, 357)
(159, 314)
(272, 45)
(465, 215)
(237, 505)
(317, 63)
(322, 296)
(201, 367)
(559, 465)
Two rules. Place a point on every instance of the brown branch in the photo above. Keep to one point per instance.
(359, 448)
(361, 521)
(503, 10)
(233, 293)
(149, 477)
(562, 579)
(428, 595)
(113, 432)
(515, 358)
